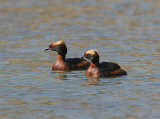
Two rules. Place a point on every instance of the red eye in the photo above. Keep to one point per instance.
(85, 54)
(51, 46)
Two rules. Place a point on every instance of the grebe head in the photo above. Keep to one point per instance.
(59, 47)
(92, 56)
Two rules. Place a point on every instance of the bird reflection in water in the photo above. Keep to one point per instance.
(61, 75)
(93, 81)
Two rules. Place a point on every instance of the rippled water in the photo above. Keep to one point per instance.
(124, 31)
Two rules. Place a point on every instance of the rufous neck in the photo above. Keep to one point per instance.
(94, 65)
(61, 57)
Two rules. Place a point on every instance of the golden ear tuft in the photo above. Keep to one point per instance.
(92, 52)
(61, 42)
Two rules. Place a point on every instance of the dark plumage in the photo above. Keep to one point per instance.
(63, 63)
(102, 69)
(108, 66)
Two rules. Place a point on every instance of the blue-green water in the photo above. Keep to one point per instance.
(124, 31)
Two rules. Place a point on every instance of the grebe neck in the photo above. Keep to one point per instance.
(61, 57)
(95, 65)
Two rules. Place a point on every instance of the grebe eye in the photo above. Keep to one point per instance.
(51, 46)
(85, 54)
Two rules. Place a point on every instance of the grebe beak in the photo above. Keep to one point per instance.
(82, 58)
(86, 59)
(46, 49)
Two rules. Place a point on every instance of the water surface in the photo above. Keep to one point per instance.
(124, 31)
